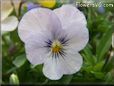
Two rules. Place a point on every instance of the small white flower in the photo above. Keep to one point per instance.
(8, 23)
(54, 38)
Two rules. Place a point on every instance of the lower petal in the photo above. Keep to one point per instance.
(71, 63)
(52, 68)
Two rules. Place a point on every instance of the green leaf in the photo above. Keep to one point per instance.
(11, 70)
(58, 3)
(88, 69)
(109, 65)
(108, 77)
(104, 45)
(98, 75)
(14, 36)
(89, 57)
(19, 60)
(66, 79)
(98, 67)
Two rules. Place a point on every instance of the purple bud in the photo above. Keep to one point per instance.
(101, 9)
(31, 6)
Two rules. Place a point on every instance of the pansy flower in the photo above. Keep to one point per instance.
(54, 38)
(8, 23)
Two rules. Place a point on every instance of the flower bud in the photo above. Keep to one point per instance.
(14, 79)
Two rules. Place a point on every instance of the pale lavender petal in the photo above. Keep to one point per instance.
(32, 5)
(38, 20)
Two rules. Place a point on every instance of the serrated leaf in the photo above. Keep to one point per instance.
(19, 60)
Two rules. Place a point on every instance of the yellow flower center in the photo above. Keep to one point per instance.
(47, 3)
(56, 46)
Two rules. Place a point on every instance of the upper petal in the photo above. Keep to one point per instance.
(78, 38)
(9, 24)
(6, 9)
(74, 23)
(38, 20)
(69, 14)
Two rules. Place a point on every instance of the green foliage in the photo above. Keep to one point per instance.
(98, 65)
(19, 61)
(104, 44)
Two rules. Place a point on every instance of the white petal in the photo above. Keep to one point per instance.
(9, 24)
(35, 47)
(78, 37)
(38, 20)
(74, 23)
(35, 54)
(71, 63)
(52, 68)
(6, 9)
(69, 14)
